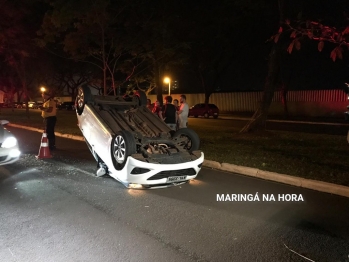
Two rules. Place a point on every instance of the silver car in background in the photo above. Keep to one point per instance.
(9, 151)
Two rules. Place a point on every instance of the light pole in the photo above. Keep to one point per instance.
(168, 80)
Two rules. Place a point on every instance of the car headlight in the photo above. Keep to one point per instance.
(9, 142)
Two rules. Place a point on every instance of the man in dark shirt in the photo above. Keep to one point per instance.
(170, 113)
(48, 113)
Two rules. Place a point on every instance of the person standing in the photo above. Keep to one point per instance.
(157, 110)
(149, 105)
(183, 112)
(48, 113)
(175, 103)
(170, 113)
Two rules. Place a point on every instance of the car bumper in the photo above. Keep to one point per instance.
(9, 155)
(159, 175)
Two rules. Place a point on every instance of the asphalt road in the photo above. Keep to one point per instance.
(56, 210)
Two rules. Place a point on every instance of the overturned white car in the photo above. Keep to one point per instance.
(133, 145)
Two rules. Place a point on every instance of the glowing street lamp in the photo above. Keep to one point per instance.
(168, 80)
(42, 89)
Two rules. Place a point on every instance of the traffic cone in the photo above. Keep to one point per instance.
(44, 151)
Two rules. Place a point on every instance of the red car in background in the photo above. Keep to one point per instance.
(203, 110)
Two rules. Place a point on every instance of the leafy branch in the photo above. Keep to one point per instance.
(300, 30)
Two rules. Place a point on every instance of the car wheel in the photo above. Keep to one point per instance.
(141, 97)
(187, 138)
(123, 145)
(206, 115)
(83, 96)
(215, 116)
(196, 116)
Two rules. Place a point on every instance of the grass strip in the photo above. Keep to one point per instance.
(311, 156)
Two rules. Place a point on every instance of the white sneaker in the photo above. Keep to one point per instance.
(100, 172)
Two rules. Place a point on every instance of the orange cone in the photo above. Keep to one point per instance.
(44, 151)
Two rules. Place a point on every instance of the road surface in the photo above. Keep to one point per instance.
(57, 210)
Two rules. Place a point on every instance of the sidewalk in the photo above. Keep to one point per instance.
(248, 171)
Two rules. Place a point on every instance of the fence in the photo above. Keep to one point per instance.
(317, 103)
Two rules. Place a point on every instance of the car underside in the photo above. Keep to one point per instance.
(132, 144)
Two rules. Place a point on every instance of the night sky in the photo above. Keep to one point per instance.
(247, 37)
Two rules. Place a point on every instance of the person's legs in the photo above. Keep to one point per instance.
(182, 123)
(50, 130)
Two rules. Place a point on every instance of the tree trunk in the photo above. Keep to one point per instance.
(158, 82)
(207, 98)
(24, 85)
(259, 119)
(284, 99)
(207, 92)
(113, 84)
(105, 80)
(21, 71)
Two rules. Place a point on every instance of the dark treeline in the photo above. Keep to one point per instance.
(119, 45)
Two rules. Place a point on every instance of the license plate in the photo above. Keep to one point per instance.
(172, 179)
(215, 113)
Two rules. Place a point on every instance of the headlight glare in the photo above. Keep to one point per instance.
(9, 142)
(15, 153)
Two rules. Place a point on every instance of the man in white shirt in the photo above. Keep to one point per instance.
(183, 112)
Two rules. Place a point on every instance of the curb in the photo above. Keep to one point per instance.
(286, 121)
(248, 171)
(281, 178)
(69, 136)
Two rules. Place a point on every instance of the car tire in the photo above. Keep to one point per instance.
(215, 116)
(196, 116)
(193, 141)
(123, 145)
(141, 97)
(206, 115)
(83, 97)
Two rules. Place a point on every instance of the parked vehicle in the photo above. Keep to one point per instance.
(346, 114)
(203, 110)
(133, 145)
(346, 90)
(66, 106)
(18, 105)
(24, 105)
(30, 104)
(37, 105)
(9, 151)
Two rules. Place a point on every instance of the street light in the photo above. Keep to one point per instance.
(42, 89)
(168, 80)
